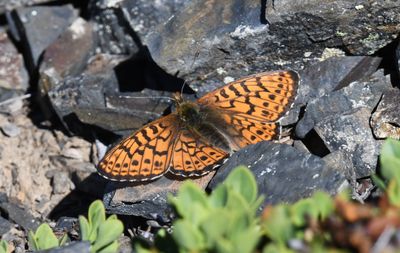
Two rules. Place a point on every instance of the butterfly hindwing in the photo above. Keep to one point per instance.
(193, 156)
(144, 155)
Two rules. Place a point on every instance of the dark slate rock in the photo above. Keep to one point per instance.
(144, 16)
(364, 94)
(19, 216)
(5, 226)
(385, 121)
(113, 30)
(333, 74)
(12, 4)
(13, 74)
(241, 42)
(73, 247)
(283, 173)
(38, 27)
(68, 55)
(66, 223)
(351, 133)
(353, 29)
(146, 200)
(86, 98)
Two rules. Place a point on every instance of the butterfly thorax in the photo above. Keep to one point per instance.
(196, 119)
(189, 113)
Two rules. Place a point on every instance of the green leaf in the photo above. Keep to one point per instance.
(111, 248)
(191, 202)
(96, 216)
(219, 196)
(300, 210)
(188, 236)
(237, 202)
(246, 241)
(33, 245)
(324, 204)
(3, 246)
(378, 181)
(84, 228)
(393, 192)
(45, 237)
(390, 160)
(108, 232)
(224, 246)
(276, 248)
(63, 240)
(215, 226)
(112, 217)
(243, 181)
(278, 226)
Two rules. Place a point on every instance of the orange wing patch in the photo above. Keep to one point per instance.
(145, 155)
(250, 107)
(264, 96)
(194, 157)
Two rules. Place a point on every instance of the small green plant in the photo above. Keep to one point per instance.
(224, 221)
(284, 222)
(102, 233)
(390, 170)
(3, 246)
(44, 238)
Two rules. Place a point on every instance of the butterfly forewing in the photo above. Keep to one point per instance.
(250, 107)
(145, 155)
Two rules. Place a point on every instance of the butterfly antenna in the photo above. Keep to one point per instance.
(160, 97)
(191, 66)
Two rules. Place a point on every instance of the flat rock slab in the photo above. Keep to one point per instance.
(146, 200)
(283, 173)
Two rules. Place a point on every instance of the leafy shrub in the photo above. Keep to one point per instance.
(224, 221)
(102, 233)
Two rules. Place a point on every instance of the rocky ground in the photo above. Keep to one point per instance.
(71, 74)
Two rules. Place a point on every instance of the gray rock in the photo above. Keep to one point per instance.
(78, 246)
(385, 121)
(5, 226)
(350, 132)
(19, 216)
(38, 27)
(146, 200)
(61, 183)
(93, 99)
(333, 74)
(68, 55)
(113, 31)
(10, 130)
(8, 5)
(364, 94)
(240, 41)
(13, 74)
(283, 173)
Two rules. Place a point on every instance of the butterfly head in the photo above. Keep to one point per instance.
(188, 111)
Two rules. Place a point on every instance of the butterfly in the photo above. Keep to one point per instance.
(198, 136)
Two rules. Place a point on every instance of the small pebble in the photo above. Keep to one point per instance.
(11, 130)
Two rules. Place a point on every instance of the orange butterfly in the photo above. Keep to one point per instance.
(192, 140)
